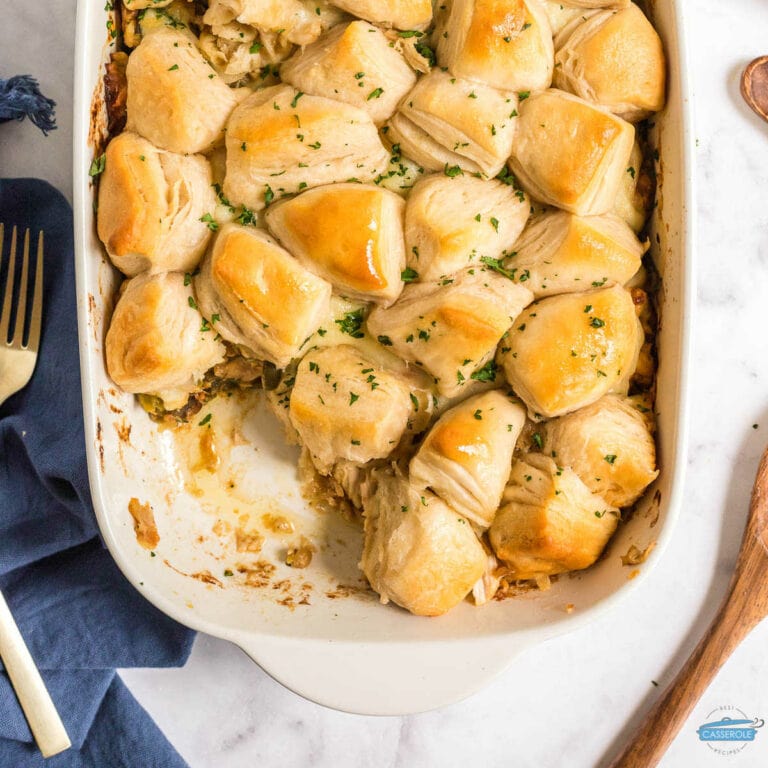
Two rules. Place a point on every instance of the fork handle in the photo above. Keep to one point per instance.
(41, 714)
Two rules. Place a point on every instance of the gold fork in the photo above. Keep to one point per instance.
(17, 357)
(17, 362)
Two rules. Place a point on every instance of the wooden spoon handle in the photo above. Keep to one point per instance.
(43, 719)
(739, 614)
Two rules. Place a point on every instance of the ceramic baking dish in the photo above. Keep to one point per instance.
(322, 633)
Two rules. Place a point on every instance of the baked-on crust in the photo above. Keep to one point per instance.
(564, 352)
(418, 552)
(280, 141)
(466, 456)
(157, 340)
(549, 521)
(354, 63)
(257, 295)
(175, 99)
(151, 206)
(615, 59)
(504, 43)
(349, 234)
(570, 153)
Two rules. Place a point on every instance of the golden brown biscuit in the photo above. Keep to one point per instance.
(175, 99)
(609, 446)
(345, 406)
(349, 234)
(153, 206)
(257, 295)
(466, 457)
(418, 552)
(570, 153)
(504, 43)
(565, 352)
(451, 223)
(563, 253)
(549, 521)
(400, 14)
(451, 327)
(615, 59)
(446, 121)
(354, 63)
(280, 141)
(157, 339)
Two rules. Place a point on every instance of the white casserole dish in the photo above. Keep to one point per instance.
(344, 650)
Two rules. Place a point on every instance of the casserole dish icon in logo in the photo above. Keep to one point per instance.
(730, 730)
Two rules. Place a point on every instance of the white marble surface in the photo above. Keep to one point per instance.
(565, 703)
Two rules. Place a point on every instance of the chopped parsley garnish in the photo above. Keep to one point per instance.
(351, 324)
(486, 373)
(213, 225)
(409, 275)
(98, 165)
(610, 458)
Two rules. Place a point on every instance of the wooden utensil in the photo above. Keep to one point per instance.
(754, 86)
(744, 606)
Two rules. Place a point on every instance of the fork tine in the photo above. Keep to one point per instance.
(21, 307)
(8, 298)
(37, 299)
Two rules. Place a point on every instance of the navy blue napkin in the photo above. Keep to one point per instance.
(78, 614)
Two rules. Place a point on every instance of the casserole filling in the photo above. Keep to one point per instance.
(422, 236)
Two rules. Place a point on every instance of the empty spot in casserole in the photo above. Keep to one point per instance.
(144, 523)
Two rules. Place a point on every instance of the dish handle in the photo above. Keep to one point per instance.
(386, 678)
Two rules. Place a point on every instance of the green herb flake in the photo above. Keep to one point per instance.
(409, 275)
(610, 458)
(351, 324)
(212, 224)
(206, 420)
(97, 166)
(486, 373)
